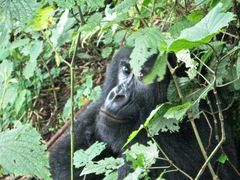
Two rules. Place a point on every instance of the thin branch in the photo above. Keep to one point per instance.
(139, 13)
(167, 158)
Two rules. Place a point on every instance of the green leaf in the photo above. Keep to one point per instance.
(42, 19)
(106, 166)
(158, 70)
(156, 122)
(106, 52)
(9, 96)
(20, 100)
(203, 31)
(134, 175)
(141, 155)
(223, 158)
(178, 112)
(64, 3)
(111, 176)
(146, 42)
(6, 69)
(35, 51)
(238, 65)
(184, 56)
(133, 135)
(67, 109)
(58, 31)
(81, 157)
(19, 10)
(22, 152)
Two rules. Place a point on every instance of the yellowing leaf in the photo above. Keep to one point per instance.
(43, 18)
(57, 59)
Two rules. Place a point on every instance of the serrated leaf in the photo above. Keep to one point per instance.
(177, 112)
(146, 42)
(185, 56)
(81, 157)
(22, 152)
(20, 10)
(158, 70)
(156, 122)
(141, 155)
(203, 31)
(105, 166)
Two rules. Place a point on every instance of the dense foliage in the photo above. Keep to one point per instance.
(42, 44)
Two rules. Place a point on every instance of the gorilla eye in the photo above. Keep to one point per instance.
(126, 69)
(140, 75)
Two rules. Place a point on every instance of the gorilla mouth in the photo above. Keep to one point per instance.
(110, 117)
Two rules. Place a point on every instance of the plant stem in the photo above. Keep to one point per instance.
(195, 130)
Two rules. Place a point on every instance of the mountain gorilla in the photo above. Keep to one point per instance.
(126, 102)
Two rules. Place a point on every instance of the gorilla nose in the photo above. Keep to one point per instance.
(116, 98)
(119, 97)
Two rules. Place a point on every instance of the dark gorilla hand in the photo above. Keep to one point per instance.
(126, 102)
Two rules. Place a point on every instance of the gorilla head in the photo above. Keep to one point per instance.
(129, 101)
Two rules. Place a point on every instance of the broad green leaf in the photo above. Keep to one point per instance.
(146, 42)
(180, 24)
(43, 18)
(81, 157)
(57, 32)
(158, 70)
(22, 152)
(106, 166)
(203, 31)
(35, 51)
(178, 112)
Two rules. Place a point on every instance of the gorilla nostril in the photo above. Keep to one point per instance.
(119, 97)
(111, 95)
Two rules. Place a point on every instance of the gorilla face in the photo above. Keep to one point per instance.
(130, 97)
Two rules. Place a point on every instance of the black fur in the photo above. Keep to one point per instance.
(130, 102)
